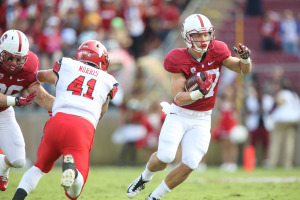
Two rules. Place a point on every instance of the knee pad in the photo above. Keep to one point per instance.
(165, 157)
(18, 163)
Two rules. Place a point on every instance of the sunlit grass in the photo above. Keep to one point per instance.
(110, 183)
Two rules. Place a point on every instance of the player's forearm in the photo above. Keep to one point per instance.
(104, 108)
(3, 100)
(183, 98)
(45, 100)
(246, 68)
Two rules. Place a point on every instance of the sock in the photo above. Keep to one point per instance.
(147, 175)
(4, 168)
(30, 179)
(20, 194)
(161, 190)
(77, 186)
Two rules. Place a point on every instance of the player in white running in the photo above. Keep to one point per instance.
(188, 119)
(83, 92)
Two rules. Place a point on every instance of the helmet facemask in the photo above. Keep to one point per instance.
(14, 50)
(8, 65)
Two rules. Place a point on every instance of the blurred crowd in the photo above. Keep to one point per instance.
(56, 27)
(280, 31)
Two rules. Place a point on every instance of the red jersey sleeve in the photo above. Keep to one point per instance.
(177, 60)
(220, 51)
(30, 68)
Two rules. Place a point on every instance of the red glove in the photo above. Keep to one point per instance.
(50, 113)
(243, 51)
(114, 91)
(26, 100)
(206, 84)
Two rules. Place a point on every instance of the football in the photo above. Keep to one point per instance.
(191, 83)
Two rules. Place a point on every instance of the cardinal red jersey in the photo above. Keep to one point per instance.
(181, 61)
(13, 84)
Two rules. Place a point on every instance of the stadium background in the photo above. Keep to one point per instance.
(233, 20)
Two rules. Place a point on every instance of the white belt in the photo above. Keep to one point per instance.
(167, 109)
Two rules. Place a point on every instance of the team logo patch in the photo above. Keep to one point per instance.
(193, 70)
(1, 76)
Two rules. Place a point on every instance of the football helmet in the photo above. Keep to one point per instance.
(198, 23)
(93, 52)
(14, 49)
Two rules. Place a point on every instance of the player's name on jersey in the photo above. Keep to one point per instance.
(87, 70)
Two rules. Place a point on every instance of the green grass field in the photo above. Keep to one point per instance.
(110, 183)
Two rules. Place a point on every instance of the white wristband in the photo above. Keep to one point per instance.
(246, 61)
(195, 95)
(10, 101)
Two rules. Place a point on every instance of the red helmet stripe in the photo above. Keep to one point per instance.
(201, 21)
(20, 42)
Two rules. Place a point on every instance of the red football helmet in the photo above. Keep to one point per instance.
(93, 52)
(14, 48)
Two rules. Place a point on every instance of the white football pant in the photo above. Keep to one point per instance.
(191, 128)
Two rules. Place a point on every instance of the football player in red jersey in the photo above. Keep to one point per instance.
(188, 119)
(18, 68)
(83, 92)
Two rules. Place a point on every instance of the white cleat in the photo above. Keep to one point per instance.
(136, 186)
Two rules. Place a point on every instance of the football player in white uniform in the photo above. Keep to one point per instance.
(188, 119)
(83, 92)
(18, 68)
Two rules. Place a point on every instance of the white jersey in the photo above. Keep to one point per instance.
(81, 89)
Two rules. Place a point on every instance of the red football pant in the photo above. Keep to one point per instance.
(66, 134)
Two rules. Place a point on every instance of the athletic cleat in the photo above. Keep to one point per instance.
(3, 183)
(136, 186)
(68, 175)
(151, 198)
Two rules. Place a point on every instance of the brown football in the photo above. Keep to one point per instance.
(191, 83)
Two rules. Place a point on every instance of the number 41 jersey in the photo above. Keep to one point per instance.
(81, 89)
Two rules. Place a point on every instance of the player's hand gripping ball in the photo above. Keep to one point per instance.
(192, 83)
(200, 81)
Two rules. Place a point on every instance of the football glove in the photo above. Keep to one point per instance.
(114, 91)
(206, 84)
(243, 51)
(25, 100)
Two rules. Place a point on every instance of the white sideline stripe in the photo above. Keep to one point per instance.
(248, 180)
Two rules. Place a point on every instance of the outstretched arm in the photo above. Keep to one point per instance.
(43, 98)
(242, 65)
(6, 100)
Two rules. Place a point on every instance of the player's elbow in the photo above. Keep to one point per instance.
(179, 102)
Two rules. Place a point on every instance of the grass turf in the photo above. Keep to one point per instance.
(110, 183)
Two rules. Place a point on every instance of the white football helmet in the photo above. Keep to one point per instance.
(198, 23)
(13, 45)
